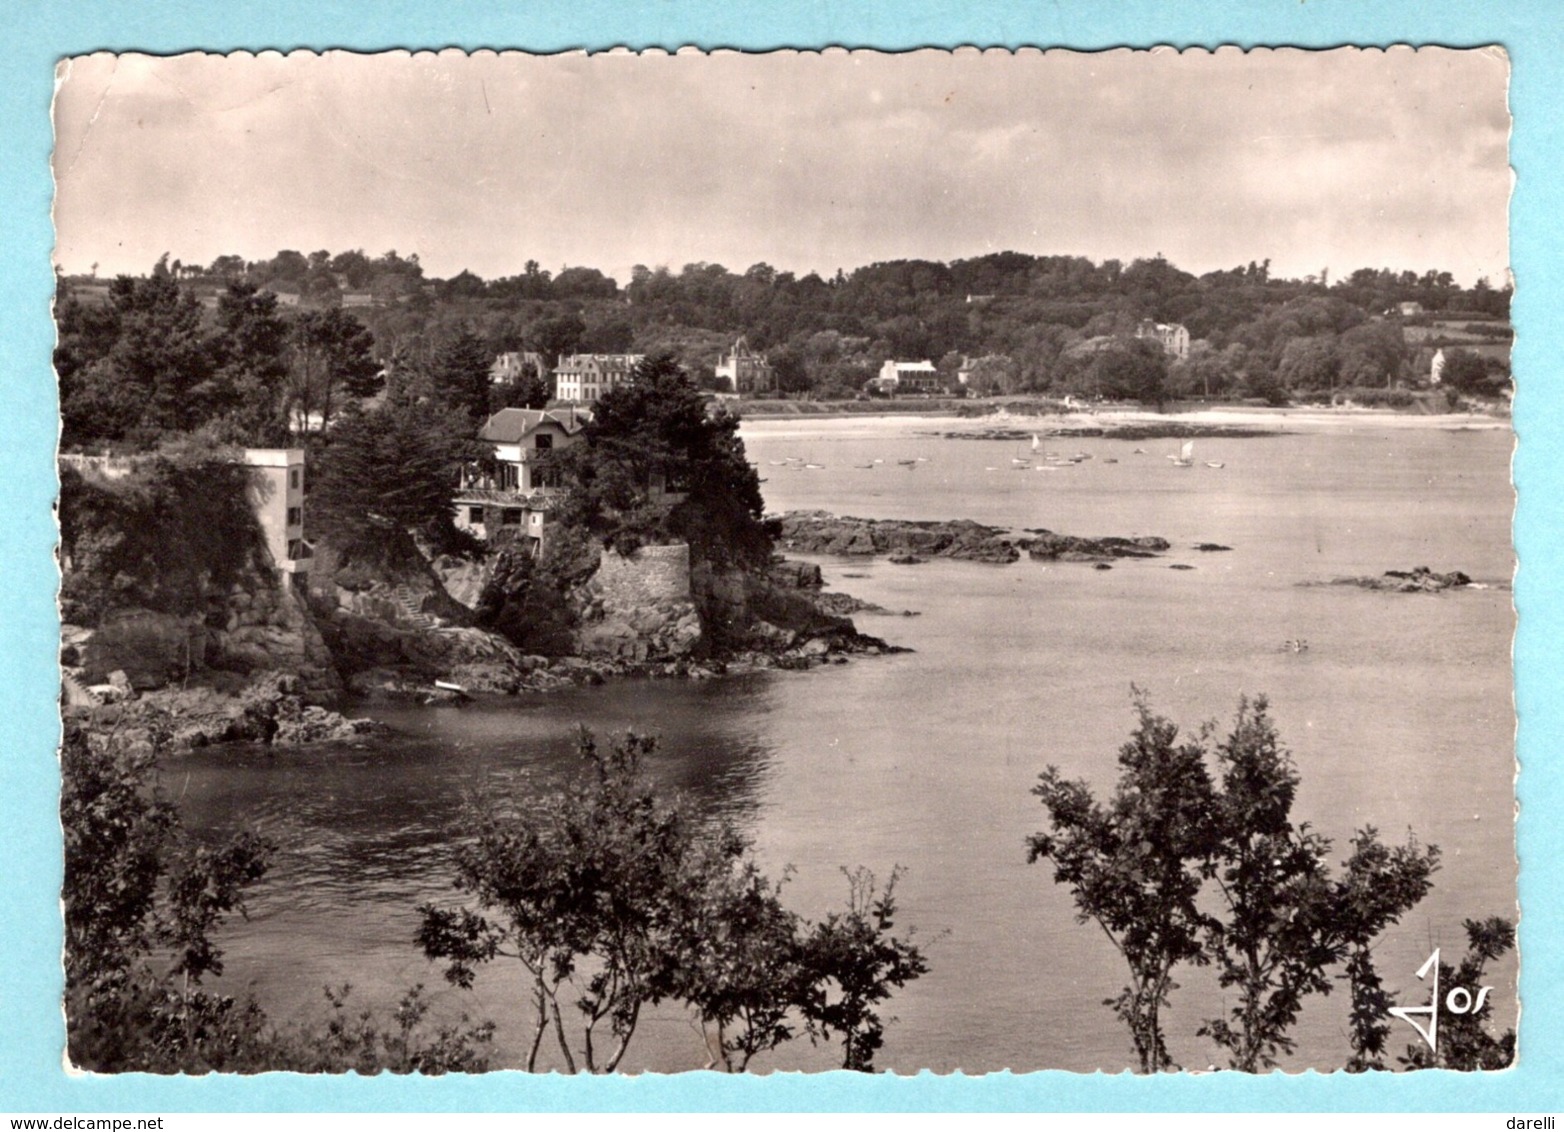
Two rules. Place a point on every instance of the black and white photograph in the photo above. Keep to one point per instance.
(650, 561)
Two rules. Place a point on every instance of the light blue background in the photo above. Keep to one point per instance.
(37, 33)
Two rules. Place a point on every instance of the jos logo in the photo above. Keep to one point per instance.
(1460, 1000)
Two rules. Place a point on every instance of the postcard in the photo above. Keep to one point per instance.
(681, 564)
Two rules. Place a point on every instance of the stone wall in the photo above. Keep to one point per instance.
(652, 575)
(638, 607)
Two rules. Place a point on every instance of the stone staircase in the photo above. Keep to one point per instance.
(408, 603)
(75, 693)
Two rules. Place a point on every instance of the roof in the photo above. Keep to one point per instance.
(581, 363)
(508, 426)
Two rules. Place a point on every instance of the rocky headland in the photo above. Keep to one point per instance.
(263, 662)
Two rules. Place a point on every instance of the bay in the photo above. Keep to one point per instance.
(1399, 714)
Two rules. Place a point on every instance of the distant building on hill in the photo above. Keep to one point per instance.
(1174, 336)
(745, 370)
(906, 377)
(512, 367)
(1408, 310)
(582, 378)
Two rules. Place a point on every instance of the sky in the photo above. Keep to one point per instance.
(806, 161)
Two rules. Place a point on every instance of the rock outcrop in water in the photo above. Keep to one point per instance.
(1420, 580)
(1051, 547)
(819, 532)
(909, 542)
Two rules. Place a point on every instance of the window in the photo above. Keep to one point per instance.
(475, 515)
(543, 442)
(511, 517)
(295, 516)
(293, 478)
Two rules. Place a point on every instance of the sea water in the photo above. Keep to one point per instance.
(1398, 712)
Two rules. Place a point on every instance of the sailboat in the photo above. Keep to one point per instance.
(1185, 457)
(1019, 462)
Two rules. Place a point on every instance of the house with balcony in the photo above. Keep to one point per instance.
(513, 488)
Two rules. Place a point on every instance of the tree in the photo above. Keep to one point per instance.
(1379, 884)
(556, 336)
(529, 391)
(1274, 943)
(459, 374)
(388, 471)
(245, 395)
(1132, 369)
(1287, 923)
(1465, 1040)
(329, 356)
(613, 900)
(131, 371)
(585, 894)
(1372, 353)
(1471, 373)
(743, 965)
(1135, 865)
(993, 373)
(852, 963)
(655, 429)
(139, 891)
(1309, 363)
(1280, 923)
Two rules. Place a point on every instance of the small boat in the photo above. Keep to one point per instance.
(816, 467)
(1138, 452)
(1020, 461)
(1110, 460)
(1215, 464)
(908, 463)
(1185, 457)
(868, 467)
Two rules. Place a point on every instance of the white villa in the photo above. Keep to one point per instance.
(745, 370)
(1174, 336)
(582, 378)
(512, 489)
(277, 495)
(906, 377)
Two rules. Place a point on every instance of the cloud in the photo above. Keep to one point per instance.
(807, 161)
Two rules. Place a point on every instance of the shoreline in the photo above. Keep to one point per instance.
(1304, 418)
